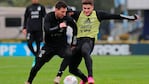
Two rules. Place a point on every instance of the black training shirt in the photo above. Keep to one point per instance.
(33, 17)
(54, 35)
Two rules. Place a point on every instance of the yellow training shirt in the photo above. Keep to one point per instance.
(88, 26)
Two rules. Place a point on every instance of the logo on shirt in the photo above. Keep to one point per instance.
(86, 27)
(35, 14)
(39, 8)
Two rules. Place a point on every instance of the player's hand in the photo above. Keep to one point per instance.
(24, 31)
(73, 47)
(136, 17)
(63, 25)
(132, 18)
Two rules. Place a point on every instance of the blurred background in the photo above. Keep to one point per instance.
(133, 34)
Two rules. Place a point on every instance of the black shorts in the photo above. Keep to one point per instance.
(47, 52)
(77, 52)
(34, 36)
(81, 41)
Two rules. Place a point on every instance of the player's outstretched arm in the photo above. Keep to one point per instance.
(133, 17)
(102, 15)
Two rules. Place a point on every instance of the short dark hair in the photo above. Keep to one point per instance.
(60, 4)
(91, 2)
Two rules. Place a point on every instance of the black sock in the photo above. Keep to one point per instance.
(60, 73)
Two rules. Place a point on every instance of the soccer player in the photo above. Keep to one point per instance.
(55, 27)
(88, 22)
(33, 26)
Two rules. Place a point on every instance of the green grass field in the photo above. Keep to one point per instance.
(107, 70)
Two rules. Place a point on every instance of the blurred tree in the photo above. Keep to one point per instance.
(75, 3)
(99, 4)
(104, 4)
(22, 3)
(19, 3)
(3, 0)
(48, 2)
(10, 2)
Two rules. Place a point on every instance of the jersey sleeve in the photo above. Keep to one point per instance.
(102, 15)
(43, 11)
(26, 15)
(76, 15)
(71, 22)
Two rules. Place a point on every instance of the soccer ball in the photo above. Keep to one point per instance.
(70, 79)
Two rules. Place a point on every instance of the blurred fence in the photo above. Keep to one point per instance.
(21, 49)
